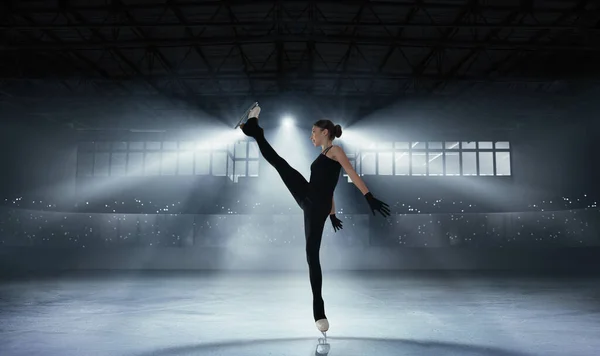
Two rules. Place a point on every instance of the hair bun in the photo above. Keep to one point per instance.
(338, 131)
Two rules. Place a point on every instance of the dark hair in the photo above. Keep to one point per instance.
(334, 130)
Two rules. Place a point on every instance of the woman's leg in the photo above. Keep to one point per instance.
(293, 180)
(314, 223)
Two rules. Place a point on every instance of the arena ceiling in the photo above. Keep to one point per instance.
(80, 61)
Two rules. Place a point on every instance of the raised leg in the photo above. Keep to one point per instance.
(293, 180)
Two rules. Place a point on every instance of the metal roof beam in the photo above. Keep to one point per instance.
(340, 39)
(189, 5)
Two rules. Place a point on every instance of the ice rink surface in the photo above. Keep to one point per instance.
(267, 313)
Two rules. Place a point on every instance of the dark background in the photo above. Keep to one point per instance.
(514, 71)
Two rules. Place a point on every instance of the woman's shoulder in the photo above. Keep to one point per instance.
(336, 152)
(336, 148)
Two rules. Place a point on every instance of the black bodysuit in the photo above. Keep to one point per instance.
(315, 199)
(324, 176)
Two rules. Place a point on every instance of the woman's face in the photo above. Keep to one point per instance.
(318, 136)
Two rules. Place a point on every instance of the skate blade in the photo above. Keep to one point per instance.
(241, 122)
(323, 348)
(245, 116)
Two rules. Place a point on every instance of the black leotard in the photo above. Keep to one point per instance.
(324, 176)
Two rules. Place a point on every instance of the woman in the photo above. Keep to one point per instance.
(315, 197)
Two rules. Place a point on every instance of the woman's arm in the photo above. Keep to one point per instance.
(340, 156)
(332, 207)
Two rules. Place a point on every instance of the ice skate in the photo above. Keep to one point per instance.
(250, 127)
(246, 115)
(323, 326)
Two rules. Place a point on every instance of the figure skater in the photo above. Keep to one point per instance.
(315, 197)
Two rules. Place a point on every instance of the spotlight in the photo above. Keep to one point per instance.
(288, 121)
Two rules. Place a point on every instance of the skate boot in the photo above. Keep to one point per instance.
(245, 116)
(250, 127)
(319, 314)
(323, 326)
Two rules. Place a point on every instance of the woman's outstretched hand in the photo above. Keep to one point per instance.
(376, 204)
(337, 223)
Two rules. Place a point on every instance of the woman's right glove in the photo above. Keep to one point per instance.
(376, 204)
(335, 222)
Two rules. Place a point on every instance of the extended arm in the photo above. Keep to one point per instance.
(340, 156)
(332, 207)
(375, 204)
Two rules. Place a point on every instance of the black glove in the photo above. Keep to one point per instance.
(376, 204)
(337, 223)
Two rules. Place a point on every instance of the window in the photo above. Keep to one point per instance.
(152, 163)
(486, 163)
(135, 163)
(86, 147)
(85, 164)
(368, 163)
(186, 163)
(469, 163)
(436, 163)
(119, 146)
(219, 164)
(503, 164)
(452, 163)
(385, 164)
(502, 145)
(170, 146)
(187, 146)
(452, 145)
(402, 162)
(434, 145)
(252, 168)
(167, 158)
(253, 150)
(118, 163)
(243, 160)
(230, 163)
(101, 161)
(202, 163)
(102, 146)
(419, 163)
(240, 159)
(240, 149)
(169, 163)
(352, 158)
(502, 158)
(486, 145)
(153, 146)
(240, 168)
(468, 145)
(136, 146)
(437, 158)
